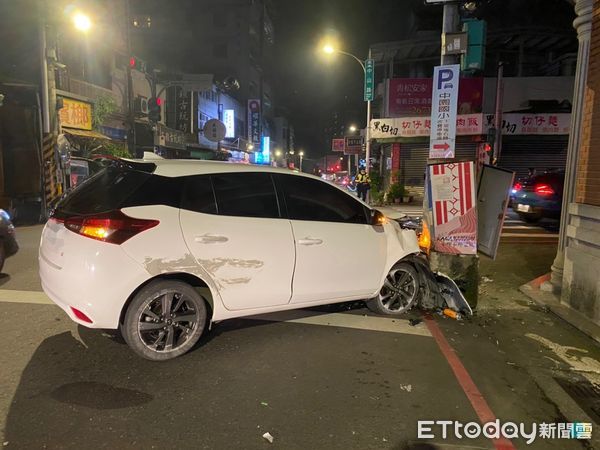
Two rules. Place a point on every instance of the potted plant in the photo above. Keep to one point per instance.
(396, 192)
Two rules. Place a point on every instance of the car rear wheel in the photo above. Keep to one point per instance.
(399, 292)
(164, 320)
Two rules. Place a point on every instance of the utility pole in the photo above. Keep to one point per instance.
(368, 130)
(450, 24)
(131, 141)
(498, 114)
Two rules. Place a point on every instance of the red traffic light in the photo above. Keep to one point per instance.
(132, 62)
(158, 101)
(487, 147)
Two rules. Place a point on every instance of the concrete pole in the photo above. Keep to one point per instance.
(583, 25)
(498, 114)
(450, 24)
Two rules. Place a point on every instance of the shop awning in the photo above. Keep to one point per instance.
(85, 133)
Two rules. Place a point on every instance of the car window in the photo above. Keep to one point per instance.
(198, 195)
(310, 199)
(249, 194)
(105, 191)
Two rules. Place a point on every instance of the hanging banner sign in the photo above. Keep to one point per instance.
(444, 106)
(466, 124)
(452, 188)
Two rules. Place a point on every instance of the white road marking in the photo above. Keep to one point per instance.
(346, 320)
(35, 297)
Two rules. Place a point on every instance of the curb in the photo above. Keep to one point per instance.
(553, 303)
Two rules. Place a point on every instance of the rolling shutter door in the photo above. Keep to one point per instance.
(519, 153)
(413, 160)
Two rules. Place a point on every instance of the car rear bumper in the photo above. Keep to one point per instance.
(94, 277)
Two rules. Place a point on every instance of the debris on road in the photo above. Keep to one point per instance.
(485, 279)
(268, 437)
(264, 404)
(413, 322)
(451, 313)
(406, 387)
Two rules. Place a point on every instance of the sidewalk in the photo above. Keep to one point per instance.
(396, 211)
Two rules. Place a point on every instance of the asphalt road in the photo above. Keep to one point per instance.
(335, 377)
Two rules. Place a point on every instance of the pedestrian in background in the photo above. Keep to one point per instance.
(363, 184)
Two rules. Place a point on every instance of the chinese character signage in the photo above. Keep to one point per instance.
(369, 80)
(337, 145)
(467, 124)
(452, 188)
(444, 104)
(412, 96)
(229, 121)
(353, 145)
(254, 121)
(520, 124)
(76, 114)
(168, 137)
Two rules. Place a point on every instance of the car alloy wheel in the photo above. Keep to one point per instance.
(164, 320)
(399, 292)
(167, 322)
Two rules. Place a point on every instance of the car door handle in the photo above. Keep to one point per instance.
(210, 239)
(310, 241)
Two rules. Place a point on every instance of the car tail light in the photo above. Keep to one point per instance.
(517, 187)
(543, 189)
(81, 316)
(113, 227)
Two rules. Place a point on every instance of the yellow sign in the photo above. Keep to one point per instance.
(76, 114)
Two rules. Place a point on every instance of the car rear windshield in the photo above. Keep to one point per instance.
(105, 191)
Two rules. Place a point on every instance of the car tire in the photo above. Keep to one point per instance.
(399, 292)
(164, 320)
(530, 218)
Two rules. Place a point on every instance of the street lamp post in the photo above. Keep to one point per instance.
(301, 153)
(330, 49)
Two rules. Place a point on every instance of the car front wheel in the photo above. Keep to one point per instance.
(399, 292)
(164, 320)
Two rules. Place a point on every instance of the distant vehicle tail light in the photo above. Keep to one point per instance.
(113, 227)
(543, 189)
(517, 187)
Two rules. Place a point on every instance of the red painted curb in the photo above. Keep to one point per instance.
(482, 409)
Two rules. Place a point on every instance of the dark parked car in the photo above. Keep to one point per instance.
(539, 196)
(8, 242)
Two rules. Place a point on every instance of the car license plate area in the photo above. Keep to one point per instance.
(523, 208)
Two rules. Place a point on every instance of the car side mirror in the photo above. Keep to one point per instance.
(378, 218)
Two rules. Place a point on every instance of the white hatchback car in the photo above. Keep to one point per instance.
(161, 248)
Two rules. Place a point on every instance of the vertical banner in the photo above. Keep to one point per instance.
(444, 104)
(254, 121)
(395, 157)
(452, 188)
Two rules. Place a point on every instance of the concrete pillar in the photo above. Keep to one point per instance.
(583, 25)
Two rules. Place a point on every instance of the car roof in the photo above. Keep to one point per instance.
(185, 167)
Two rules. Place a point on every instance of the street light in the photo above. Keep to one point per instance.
(82, 21)
(352, 128)
(301, 153)
(277, 153)
(250, 147)
(329, 49)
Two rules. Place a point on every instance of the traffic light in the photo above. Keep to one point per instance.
(154, 109)
(137, 64)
